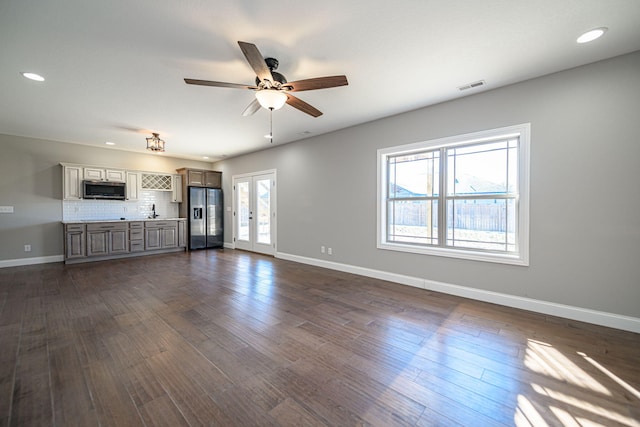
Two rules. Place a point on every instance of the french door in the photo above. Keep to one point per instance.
(254, 222)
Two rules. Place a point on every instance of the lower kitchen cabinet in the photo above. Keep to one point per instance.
(74, 242)
(107, 238)
(136, 236)
(182, 233)
(160, 234)
(121, 239)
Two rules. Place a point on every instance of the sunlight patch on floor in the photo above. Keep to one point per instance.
(544, 359)
(585, 406)
(527, 414)
(611, 375)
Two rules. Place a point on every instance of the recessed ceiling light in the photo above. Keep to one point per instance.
(205, 157)
(110, 143)
(33, 76)
(591, 35)
(268, 136)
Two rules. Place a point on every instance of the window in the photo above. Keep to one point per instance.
(465, 196)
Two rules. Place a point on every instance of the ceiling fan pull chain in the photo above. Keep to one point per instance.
(271, 124)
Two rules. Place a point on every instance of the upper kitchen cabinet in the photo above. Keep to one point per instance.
(201, 178)
(176, 191)
(97, 174)
(71, 182)
(133, 185)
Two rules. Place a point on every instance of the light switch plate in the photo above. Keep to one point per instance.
(6, 209)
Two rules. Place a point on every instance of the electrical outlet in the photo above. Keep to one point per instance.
(322, 249)
(330, 251)
(6, 209)
(27, 248)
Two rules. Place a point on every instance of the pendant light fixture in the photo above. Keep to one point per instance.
(155, 144)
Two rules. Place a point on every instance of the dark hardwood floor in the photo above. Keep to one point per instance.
(229, 338)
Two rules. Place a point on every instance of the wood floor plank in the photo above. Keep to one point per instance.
(70, 395)
(31, 397)
(230, 338)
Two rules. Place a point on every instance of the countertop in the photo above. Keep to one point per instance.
(89, 221)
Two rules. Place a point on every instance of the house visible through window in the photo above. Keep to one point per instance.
(465, 196)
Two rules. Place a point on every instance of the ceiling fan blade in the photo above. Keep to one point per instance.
(317, 83)
(251, 108)
(218, 84)
(256, 60)
(303, 106)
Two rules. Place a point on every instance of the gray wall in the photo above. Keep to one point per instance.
(31, 181)
(585, 188)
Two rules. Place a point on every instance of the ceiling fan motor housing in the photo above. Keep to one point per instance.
(273, 63)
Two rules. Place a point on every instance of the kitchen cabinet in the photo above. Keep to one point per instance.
(201, 178)
(107, 238)
(101, 240)
(160, 234)
(74, 241)
(182, 233)
(133, 186)
(98, 174)
(156, 181)
(136, 236)
(71, 182)
(176, 190)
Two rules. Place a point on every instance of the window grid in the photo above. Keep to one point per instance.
(432, 197)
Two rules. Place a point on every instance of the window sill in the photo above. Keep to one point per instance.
(512, 259)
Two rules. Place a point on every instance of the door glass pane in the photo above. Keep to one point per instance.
(243, 211)
(263, 195)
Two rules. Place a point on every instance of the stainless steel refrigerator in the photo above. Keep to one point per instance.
(205, 218)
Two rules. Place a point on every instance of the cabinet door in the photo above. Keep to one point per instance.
(182, 234)
(118, 241)
(176, 190)
(133, 185)
(213, 179)
(152, 238)
(97, 243)
(170, 237)
(74, 244)
(115, 175)
(94, 174)
(72, 183)
(195, 178)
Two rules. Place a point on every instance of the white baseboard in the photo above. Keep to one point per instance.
(595, 317)
(31, 261)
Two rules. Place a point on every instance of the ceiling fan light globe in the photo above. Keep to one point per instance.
(271, 99)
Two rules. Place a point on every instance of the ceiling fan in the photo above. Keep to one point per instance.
(272, 89)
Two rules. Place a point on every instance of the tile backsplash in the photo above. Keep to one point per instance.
(82, 210)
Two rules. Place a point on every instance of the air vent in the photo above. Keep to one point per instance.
(472, 85)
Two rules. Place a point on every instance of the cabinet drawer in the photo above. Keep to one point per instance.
(74, 227)
(160, 224)
(105, 226)
(136, 224)
(136, 246)
(136, 234)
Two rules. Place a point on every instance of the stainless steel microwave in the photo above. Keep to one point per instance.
(106, 190)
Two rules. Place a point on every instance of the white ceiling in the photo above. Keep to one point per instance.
(114, 69)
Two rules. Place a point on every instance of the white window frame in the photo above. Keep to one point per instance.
(521, 257)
